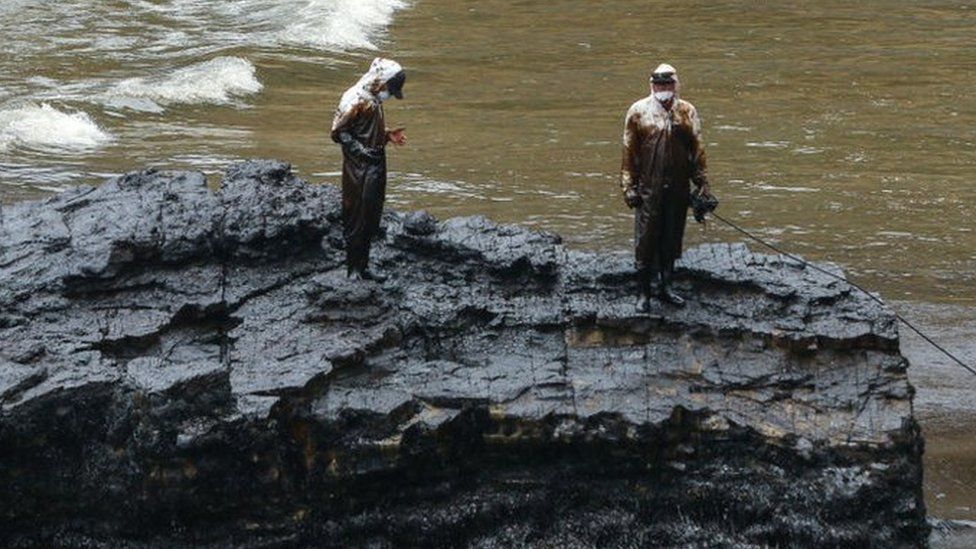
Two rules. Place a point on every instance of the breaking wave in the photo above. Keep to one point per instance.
(216, 81)
(45, 127)
(331, 25)
(340, 24)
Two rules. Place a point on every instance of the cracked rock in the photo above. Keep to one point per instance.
(181, 367)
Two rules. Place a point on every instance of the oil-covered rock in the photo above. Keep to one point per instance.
(183, 367)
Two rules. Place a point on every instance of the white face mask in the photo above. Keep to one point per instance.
(664, 96)
(383, 96)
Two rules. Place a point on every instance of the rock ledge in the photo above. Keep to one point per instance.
(182, 367)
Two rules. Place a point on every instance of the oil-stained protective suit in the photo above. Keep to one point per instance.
(662, 151)
(360, 128)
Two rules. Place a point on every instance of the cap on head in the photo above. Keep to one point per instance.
(395, 84)
(663, 74)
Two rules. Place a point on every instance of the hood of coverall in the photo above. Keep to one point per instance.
(369, 85)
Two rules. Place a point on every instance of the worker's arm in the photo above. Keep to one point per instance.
(355, 149)
(629, 163)
(699, 165)
(342, 134)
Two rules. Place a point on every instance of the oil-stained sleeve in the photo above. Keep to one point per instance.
(345, 117)
(699, 165)
(631, 150)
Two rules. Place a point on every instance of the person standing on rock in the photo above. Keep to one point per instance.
(360, 128)
(662, 152)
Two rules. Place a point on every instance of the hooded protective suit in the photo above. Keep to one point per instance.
(662, 151)
(360, 127)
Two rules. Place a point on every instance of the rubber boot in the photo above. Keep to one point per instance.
(367, 274)
(644, 300)
(666, 292)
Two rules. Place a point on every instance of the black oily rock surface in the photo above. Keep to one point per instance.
(181, 367)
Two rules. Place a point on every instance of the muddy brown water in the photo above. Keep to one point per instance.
(843, 131)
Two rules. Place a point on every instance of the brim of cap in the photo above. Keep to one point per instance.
(398, 94)
(662, 79)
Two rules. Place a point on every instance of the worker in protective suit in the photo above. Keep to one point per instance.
(360, 128)
(662, 152)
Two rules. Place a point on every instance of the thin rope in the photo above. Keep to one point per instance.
(806, 264)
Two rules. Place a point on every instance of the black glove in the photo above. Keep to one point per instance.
(702, 203)
(357, 150)
(632, 198)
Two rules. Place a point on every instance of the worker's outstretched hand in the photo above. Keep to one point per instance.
(397, 137)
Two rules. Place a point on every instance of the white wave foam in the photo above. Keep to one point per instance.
(340, 24)
(215, 81)
(332, 25)
(45, 127)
